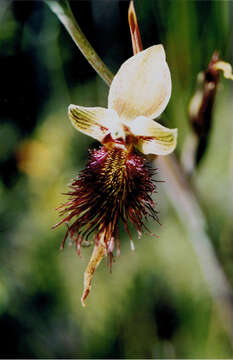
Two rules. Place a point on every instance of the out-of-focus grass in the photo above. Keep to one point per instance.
(155, 303)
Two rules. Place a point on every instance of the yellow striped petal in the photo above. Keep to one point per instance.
(96, 122)
(142, 86)
(153, 138)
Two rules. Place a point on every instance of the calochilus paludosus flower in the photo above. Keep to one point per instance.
(117, 182)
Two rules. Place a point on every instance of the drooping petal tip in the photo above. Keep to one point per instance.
(115, 186)
(96, 258)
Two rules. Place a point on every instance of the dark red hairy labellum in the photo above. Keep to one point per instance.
(116, 184)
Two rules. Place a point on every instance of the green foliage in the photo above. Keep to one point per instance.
(155, 304)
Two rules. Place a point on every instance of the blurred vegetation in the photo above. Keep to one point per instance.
(155, 304)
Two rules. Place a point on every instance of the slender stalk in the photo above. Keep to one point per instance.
(177, 185)
(64, 13)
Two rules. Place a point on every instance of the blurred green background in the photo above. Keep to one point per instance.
(155, 304)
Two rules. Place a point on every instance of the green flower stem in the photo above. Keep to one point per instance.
(64, 13)
(178, 187)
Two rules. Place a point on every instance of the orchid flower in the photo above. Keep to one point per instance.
(117, 182)
(139, 93)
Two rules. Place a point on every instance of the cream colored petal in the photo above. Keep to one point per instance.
(153, 138)
(93, 121)
(142, 86)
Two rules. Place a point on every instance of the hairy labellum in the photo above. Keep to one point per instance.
(116, 184)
